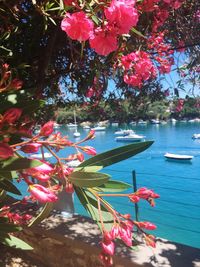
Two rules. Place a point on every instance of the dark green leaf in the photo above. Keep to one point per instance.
(9, 186)
(15, 163)
(114, 186)
(115, 155)
(15, 242)
(137, 32)
(9, 228)
(43, 214)
(88, 179)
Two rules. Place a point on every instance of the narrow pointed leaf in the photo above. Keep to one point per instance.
(89, 169)
(88, 179)
(114, 186)
(15, 163)
(116, 155)
(15, 242)
(43, 214)
(9, 186)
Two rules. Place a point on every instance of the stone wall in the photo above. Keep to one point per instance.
(74, 242)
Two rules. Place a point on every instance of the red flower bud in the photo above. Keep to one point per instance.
(31, 148)
(12, 115)
(47, 129)
(80, 156)
(5, 151)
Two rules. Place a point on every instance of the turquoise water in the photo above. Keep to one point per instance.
(177, 212)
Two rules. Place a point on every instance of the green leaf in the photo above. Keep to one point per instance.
(138, 33)
(9, 228)
(9, 186)
(89, 169)
(43, 214)
(115, 155)
(88, 179)
(15, 242)
(6, 175)
(89, 202)
(114, 186)
(15, 163)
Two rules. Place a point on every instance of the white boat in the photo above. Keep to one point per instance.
(173, 120)
(132, 122)
(76, 133)
(130, 138)
(155, 121)
(40, 156)
(124, 132)
(141, 122)
(196, 136)
(86, 127)
(177, 156)
(99, 128)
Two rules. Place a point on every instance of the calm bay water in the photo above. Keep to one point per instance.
(177, 212)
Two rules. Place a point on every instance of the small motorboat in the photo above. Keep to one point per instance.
(99, 128)
(155, 121)
(130, 138)
(86, 127)
(178, 156)
(141, 122)
(71, 125)
(196, 136)
(124, 132)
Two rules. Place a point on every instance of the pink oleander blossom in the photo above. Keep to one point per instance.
(47, 129)
(77, 26)
(108, 247)
(31, 148)
(42, 194)
(122, 15)
(89, 150)
(146, 225)
(41, 172)
(103, 41)
(5, 151)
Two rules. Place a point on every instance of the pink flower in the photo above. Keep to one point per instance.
(126, 234)
(80, 156)
(146, 225)
(104, 41)
(145, 193)
(106, 259)
(122, 15)
(108, 247)
(31, 148)
(16, 84)
(77, 26)
(89, 150)
(41, 193)
(12, 115)
(5, 151)
(69, 188)
(47, 129)
(134, 198)
(41, 172)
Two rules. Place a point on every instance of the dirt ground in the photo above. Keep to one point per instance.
(16, 258)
